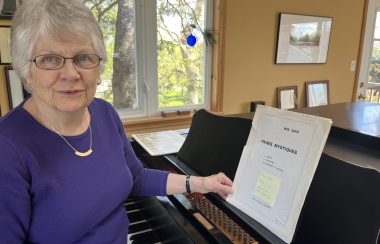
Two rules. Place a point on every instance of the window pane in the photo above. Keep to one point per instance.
(377, 26)
(119, 81)
(374, 74)
(180, 66)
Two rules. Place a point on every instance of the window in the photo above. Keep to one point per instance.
(373, 84)
(374, 75)
(151, 67)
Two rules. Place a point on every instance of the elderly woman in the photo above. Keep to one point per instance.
(66, 165)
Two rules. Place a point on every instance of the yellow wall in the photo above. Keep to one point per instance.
(251, 35)
(4, 107)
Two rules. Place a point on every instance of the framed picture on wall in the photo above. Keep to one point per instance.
(8, 7)
(317, 93)
(16, 91)
(302, 39)
(5, 40)
(287, 97)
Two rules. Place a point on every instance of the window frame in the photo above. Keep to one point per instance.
(137, 123)
(147, 73)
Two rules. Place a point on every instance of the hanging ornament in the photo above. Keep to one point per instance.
(191, 40)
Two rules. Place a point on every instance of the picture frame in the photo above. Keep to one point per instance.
(15, 88)
(5, 40)
(317, 93)
(302, 39)
(8, 7)
(287, 97)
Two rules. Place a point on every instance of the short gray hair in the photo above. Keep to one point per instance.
(57, 20)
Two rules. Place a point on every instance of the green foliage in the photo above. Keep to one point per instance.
(177, 85)
(107, 22)
(376, 53)
(180, 67)
(374, 72)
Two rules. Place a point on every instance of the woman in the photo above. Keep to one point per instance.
(66, 166)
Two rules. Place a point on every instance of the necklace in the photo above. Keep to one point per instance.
(79, 154)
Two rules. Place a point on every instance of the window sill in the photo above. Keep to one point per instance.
(156, 123)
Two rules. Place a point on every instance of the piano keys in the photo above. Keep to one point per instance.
(219, 222)
(150, 222)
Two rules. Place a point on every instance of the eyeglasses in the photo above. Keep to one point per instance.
(53, 61)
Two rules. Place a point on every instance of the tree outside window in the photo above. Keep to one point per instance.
(148, 56)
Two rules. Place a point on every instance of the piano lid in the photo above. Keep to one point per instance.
(343, 200)
(357, 121)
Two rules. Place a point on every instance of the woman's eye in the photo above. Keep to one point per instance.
(50, 59)
(82, 58)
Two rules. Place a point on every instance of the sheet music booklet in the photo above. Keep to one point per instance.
(162, 142)
(277, 166)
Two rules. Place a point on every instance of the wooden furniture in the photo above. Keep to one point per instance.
(343, 202)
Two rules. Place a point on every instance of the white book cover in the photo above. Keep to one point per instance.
(277, 166)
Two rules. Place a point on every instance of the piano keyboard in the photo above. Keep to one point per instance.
(151, 223)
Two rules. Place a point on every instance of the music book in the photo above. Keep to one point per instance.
(162, 142)
(277, 166)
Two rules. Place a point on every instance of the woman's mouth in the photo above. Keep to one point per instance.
(71, 92)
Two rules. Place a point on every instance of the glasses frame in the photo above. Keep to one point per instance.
(64, 61)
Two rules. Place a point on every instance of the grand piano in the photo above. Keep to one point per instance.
(342, 204)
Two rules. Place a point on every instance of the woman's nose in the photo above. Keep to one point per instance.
(70, 70)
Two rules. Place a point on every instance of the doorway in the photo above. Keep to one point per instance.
(368, 88)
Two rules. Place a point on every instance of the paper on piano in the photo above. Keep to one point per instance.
(162, 142)
(277, 166)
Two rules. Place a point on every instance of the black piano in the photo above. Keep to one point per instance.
(342, 204)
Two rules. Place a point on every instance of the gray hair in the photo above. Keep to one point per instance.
(57, 20)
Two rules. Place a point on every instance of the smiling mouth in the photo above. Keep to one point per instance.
(71, 92)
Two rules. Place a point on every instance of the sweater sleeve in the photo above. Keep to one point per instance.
(146, 182)
(15, 199)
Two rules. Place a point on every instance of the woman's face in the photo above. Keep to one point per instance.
(68, 89)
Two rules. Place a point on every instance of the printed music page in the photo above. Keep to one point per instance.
(161, 142)
(277, 166)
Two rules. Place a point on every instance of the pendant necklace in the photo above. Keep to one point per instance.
(79, 154)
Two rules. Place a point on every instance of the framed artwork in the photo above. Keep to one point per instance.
(5, 40)
(302, 39)
(287, 97)
(16, 91)
(317, 93)
(8, 7)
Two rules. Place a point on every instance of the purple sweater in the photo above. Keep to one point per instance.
(50, 195)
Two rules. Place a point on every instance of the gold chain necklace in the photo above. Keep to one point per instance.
(80, 154)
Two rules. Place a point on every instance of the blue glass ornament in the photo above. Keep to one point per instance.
(191, 40)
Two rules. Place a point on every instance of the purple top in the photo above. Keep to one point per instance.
(50, 195)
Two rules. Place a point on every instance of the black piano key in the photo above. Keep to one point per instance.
(150, 222)
(167, 232)
(130, 207)
(135, 216)
(139, 227)
(145, 237)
